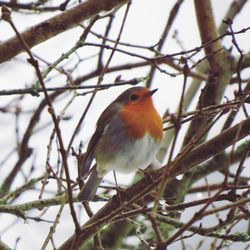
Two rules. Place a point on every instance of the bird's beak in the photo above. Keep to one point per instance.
(150, 93)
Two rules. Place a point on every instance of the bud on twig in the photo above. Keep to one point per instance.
(6, 14)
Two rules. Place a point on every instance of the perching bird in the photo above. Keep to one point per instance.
(127, 138)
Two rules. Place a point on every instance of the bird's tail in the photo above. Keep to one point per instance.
(88, 191)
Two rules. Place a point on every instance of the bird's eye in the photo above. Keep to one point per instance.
(134, 97)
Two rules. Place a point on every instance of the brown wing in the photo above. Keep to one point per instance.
(102, 124)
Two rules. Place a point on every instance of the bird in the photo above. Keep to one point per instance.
(127, 138)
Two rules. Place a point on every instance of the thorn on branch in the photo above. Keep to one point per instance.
(50, 110)
(33, 62)
(228, 21)
(6, 14)
(247, 100)
(174, 120)
(33, 92)
(186, 69)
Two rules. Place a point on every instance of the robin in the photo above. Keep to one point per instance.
(127, 137)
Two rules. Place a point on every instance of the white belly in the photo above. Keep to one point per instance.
(134, 156)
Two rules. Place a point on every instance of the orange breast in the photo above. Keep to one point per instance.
(141, 118)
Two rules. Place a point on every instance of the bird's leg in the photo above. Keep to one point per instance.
(119, 190)
(147, 173)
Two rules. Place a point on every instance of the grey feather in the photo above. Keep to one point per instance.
(102, 123)
(88, 191)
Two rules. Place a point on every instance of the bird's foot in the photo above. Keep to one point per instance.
(147, 174)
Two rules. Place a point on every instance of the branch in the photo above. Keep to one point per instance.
(3, 246)
(35, 91)
(56, 25)
(232, 12)
(210, 232)
(29, 6)
(142, 188)
(37, 204)
(6, 15)
(172, 16)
